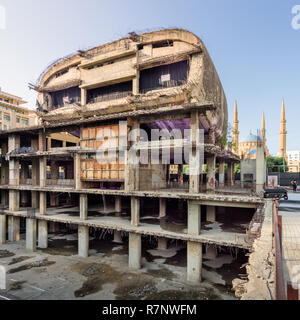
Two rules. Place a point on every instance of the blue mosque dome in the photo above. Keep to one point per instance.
(251, 138)
(253, 151)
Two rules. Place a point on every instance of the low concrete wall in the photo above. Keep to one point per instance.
(261, 268)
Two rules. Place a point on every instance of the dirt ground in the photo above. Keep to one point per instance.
(57, 273)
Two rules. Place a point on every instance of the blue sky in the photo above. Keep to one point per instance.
(252, 44)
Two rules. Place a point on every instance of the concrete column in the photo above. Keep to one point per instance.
(14, 172)
(162, 207)
(162, 243)
(83, 241)
(260, 168)
(35, 172)
(13, 142)
(135, 250)
(135, 83)
(194, 262)
(14, 200)
(54, 199)
(211, 213)
(230, 173)
(31, 234)
(4, 172)
(24, 173)
(118, 209)
(34, 199)
(13, 228)
(42, 234)
(43, 202)
(35, 144)
(42, 141)
(194, 218)
(83, 97)
(211, 176)
(135, 211)
(77, 170)
(132, 166)
(83, 206)
(2, 228)
(43, 171)
(194, 154)
(222, 173)
(211, 252)
(48, 143)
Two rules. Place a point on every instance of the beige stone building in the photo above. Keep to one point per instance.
(12, 114)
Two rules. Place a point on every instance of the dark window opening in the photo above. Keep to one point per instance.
(165, 76)
(62, 97)
(111, 92)
(162, 44)
(60, 73)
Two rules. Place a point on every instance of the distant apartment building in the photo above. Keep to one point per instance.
(293, 160)
(12, 114)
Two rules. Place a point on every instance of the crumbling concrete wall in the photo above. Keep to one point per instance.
(261, 268)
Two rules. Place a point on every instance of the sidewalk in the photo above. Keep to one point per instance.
(291, 238)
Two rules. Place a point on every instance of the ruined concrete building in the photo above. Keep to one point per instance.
(157, 80)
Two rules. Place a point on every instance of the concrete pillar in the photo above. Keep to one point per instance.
(13, 228)
(260, 168)
(34, 199)
(48, 143)
(211, 213)
(194, 154)
(83, 96)
(43, 171)
(14, 172)
(162, 243)
(2, 228)
(135, 83)
(35, 143)
(211, 175)
(222, 173)
(135, 211)
(230, 173)
(135, 250)
(14, 200)
(43, 202)
(83, 206)
(35, 172)
(194, 262)
(83, 241)
(118, 210)
(42, 141)
(77, 171)
(194, 218)
(31, 234)
(132, 166)
(24, 173)
(162, 207)
(42, 234)
(211, 252)
(13, 142)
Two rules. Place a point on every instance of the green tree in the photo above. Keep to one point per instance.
(276, 164)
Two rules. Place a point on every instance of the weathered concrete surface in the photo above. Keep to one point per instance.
(261, 263)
